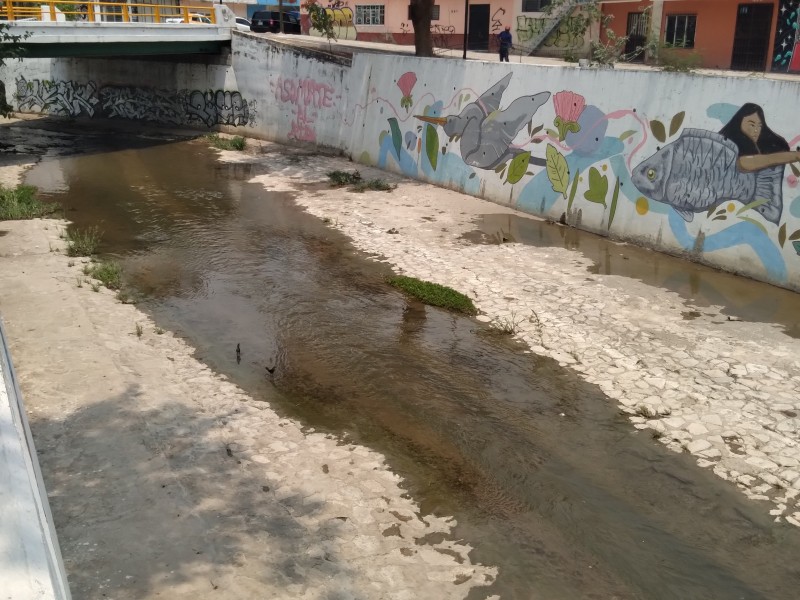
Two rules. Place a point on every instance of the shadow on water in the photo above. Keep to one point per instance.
(737, 296)
(545, 478)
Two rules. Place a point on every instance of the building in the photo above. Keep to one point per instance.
(720, 34)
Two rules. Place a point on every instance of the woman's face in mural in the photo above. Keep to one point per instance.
(751, 126)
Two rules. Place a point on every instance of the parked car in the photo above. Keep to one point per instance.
(268, 21)
(196, 18)
(242, 23)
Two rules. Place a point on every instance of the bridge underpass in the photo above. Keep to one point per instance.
(106, 29)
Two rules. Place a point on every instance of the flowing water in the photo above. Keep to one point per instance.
(546, 480)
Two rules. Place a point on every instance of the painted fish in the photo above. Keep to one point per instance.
(698, 171)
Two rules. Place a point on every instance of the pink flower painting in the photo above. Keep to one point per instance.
(569, 107)
(406, 83)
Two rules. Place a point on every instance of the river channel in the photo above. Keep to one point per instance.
(544, 477)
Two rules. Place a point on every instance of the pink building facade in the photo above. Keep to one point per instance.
(388, 21)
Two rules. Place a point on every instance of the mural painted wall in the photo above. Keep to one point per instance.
(700, 166)
(703, 167)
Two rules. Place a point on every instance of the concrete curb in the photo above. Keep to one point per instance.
(30, 558)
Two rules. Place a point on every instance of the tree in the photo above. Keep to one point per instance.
(9, 48)
(321, 20)
(421, 13)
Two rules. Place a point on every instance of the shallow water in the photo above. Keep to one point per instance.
(703, 286)
(546, 480)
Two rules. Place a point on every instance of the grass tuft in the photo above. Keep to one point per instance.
(434, 294)
(21, 203)
(83, 242)
(378, 185)
(108, 272)
(139, 330)
(225, 143)
(341, 178)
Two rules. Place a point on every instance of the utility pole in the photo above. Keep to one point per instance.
(280, 14)
(466, 27)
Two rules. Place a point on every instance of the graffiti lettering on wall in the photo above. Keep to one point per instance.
(63, 98)
(306, 98)
(342, 16)
(566, 35)
(184, 107)
(708, 188)
(497, 20)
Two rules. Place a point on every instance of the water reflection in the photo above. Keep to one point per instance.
(703, 286)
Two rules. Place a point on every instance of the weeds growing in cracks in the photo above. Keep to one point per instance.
(83, 242)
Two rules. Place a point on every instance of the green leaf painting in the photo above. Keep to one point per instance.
(782, 235)
(397, 137)
(755, 203)
(572, 191)
(432, 145)
(626, 134)
(598, 187)
(676, 123)
(795, 236)
(614, 198)
(518, 167)
(557, 169)
(657, 127)
(795, 170)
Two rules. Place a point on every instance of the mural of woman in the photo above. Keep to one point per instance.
(701, 169)
(759, 146)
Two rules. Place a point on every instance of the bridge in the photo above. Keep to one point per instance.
(54, 29)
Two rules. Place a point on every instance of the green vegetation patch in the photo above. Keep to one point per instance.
(434, 294)
(358, 183)
(225, 143)
(378, 185)
(21, 203)
(341, 178)
(109, 273)
(83, 242)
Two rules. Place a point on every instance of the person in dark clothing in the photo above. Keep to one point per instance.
(505, 43)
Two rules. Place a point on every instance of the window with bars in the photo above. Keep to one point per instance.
(534, 5)
(680, 30)
(369, 14)
(434, 12)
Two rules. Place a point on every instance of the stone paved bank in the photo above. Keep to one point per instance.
(726, 391)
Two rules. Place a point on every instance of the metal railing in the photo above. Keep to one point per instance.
(103, 12)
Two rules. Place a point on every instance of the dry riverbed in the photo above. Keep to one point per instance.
(166, 480)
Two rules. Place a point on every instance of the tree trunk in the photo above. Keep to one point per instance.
(421, 12)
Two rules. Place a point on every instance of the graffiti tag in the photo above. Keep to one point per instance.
(306, 96)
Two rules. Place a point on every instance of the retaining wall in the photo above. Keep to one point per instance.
(636, 155)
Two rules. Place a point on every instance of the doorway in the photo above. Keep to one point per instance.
(638, 24)
(478, 38)
(751, 39)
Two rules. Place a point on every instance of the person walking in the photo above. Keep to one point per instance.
(505, 43)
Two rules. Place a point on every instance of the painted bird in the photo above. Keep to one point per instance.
(485, 131)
